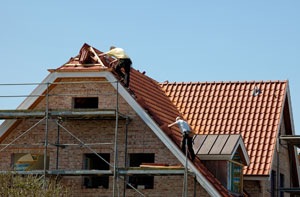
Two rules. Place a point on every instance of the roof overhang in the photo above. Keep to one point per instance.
(132, 102)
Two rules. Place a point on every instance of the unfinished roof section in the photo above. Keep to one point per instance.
(220, 147)
(252, 109)
(89, 59)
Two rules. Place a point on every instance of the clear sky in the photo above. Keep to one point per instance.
(211, 40)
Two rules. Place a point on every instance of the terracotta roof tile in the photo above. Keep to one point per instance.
(230, 108)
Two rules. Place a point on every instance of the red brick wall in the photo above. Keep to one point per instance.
(140, 140)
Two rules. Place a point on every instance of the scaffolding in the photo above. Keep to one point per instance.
(59, 115)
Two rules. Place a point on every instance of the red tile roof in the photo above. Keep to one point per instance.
(153, 99)
(231, 108)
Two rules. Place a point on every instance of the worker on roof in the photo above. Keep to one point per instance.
(187, 136)
(123, 61)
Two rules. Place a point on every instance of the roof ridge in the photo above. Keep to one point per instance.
(144, 73)
(220, 82)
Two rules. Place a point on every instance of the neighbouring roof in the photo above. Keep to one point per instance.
(232, 108)
(220, 147)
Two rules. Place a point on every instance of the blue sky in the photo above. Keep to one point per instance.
(170, 40)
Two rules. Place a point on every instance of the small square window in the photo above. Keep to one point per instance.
(85, 102)
(93, 162)
(141, 182)
(28, 161)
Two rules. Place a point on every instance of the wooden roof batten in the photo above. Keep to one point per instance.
(75, 114)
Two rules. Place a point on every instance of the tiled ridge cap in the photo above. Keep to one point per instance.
(219, 82)
(144, 73)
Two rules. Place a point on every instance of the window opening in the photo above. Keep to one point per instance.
(273, 183)
(85, 103)
(93, 162)
(235, 174)
(27, 162)
(140, 181)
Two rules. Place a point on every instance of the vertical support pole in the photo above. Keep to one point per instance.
(186, 167)
(46, 135)
(57, 146)
(116, 141)
(195, 186)
(125, 155)
(278, 168)
(185, 192)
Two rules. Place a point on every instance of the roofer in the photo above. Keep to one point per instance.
(123, 62)
(187, 135)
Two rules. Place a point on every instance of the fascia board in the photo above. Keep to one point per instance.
(139, 110)
(5, 126)
(214, 157)
(279, 127)
(244, 150)
(288, 95)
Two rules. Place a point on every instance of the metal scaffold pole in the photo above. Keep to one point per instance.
(57, 146)
(46, 135)
(125, 154)
(278, 167)
(185, 189)
(116, 141)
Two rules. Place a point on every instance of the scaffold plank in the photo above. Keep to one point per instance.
(61, 113)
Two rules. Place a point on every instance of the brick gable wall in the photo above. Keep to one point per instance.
(140, 140)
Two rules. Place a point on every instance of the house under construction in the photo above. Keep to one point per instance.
(103, 139)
